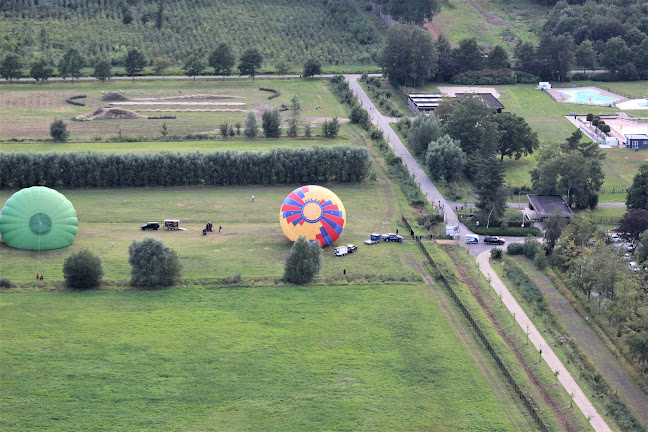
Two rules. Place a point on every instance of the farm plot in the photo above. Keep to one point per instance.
(273, 359)
(29, 109)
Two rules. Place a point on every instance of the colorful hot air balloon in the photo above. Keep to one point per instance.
(313, 211)
(38, 218)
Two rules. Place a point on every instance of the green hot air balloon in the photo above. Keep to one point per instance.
(38, 218)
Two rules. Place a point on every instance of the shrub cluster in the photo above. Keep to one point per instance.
(516, 231)
(341, 163)
(528, 288)
(486, 77)
(382, 95)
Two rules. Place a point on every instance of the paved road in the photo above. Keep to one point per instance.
(581, 401)
(433, 195)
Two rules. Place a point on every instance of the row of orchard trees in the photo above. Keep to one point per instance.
(341, 163)
(222, 59)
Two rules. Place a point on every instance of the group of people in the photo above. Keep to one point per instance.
(209, 227)
(39, 277)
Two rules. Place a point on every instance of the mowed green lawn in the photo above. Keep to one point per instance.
(251, 241)
(272, 359)
(28, 109)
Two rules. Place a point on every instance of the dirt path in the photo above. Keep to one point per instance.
(604, 361)
(490, 18)
(564, 377)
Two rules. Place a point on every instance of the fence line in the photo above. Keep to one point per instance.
(526, 400)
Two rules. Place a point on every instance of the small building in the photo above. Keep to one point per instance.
(490, 100)
(542, 85)
(636, 141)
(423, 102)
(543, 206)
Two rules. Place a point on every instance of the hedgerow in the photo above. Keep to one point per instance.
(340, 163)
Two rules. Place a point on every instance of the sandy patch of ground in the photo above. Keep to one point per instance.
(193, 96)
(177, 103)
(452, 91)
(110, 114)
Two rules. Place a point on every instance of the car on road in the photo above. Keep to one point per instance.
(150, 225)
(493, 240)
(392, 237)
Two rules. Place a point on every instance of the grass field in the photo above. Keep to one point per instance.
(28, 109)
(251, 242)
(272, 359)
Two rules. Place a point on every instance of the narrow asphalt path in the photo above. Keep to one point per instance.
(582, 402)
(433, 196)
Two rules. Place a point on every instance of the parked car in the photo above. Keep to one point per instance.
(471, 239)
(493, 240)
(352, 248)
(150, 225)
(392, 237)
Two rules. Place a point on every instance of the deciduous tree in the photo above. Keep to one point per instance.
(312, 67)
(10, 69)
(160, 65)
(634, 222)
(585, 55)
(424, 129)
(498, 58)
(251, 126)
(194, 65)
(135, 62)
(40, 69)
(58, 131)
(153, 263)
(102, 70)
(71, 64)
(293, 121)
(409, 56)
(250, 62)
(445, 158)
(222, 59)
(271, 123)
(637, 196)
(304, 261)
(517, 139)
(82, 270)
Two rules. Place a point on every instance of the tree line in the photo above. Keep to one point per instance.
(410, 57)
(222, 59)
(341, 163)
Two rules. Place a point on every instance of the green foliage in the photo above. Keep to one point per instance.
(445, 158)
(585, 56)
(222, 59)
(6, 283)
(516, 139)
(498, 58)
(10, 69)
(251, 127)
(634, 222)
(471, 122)
(271, 123)
(58, 131)
(532, 248)
(134, 63)
(469, 54)
(82, 270)
(486, 77)
(71, 64)
(102, 70)
(194, 65)
(540, 261)
(153, 263)
(554, 227)
(282, 66)
(496, 253)
(304, 261)
(160, 65)
(500, 230)
(293, 121)
(331, 128)
(528, 288)
(409, 56)
(250, 62)
(339, 163)
(360, 116)
(414, 11)
(40, 69)
(637, 196)
(424, 130)
(515, 249)
(312, 67)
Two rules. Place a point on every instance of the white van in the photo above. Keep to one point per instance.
(341, 250)
(472, 239)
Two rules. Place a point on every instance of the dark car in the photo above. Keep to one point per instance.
(150, 225)
(392, 237)
(493, 240)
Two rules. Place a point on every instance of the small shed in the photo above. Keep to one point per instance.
(423, 102)
(637, 141)
(543, 206)
(490, 100)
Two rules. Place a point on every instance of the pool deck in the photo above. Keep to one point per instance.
(557, 93)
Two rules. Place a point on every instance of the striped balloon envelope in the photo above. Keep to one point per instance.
(313, 211)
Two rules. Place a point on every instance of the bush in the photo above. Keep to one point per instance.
(271, 123)
(580, 76)
(515, 249)
(526, 78)
(429, 220)
(501, 231)
(58, 131)
(5, 283)
(496, 253)
(153, 263)
(331, 128)
(232, 279)
(486, 77)
(82, 270)
(532, 247)
(304, 261)
(360, 116)
(540, 261)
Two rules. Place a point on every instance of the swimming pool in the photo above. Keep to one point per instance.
(587, 96)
